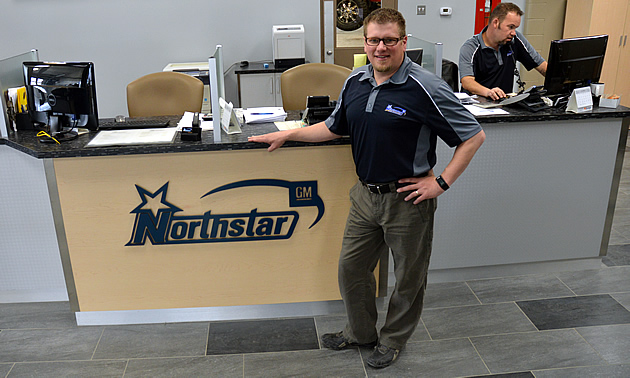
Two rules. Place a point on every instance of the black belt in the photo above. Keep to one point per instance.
(389, 187)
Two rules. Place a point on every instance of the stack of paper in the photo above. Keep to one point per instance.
(264, 114)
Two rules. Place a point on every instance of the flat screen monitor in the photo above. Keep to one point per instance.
(574, 63)
(61, 95)
(217, 89)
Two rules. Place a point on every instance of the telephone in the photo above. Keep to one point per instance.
(318, 108)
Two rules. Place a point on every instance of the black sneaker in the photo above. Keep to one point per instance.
(382, 356)
(338, 341)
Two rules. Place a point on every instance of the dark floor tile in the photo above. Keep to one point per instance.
(444, 358)
(206, 366)
(152, 340)
(611, 342)
(466, 321)
(617, 255)
(109, 368)
(606, 371)
(598, 281)
(262, 336)
(535, 350)
(48, 344)
(449, 294)
(574, 312)
(36, 315)
(508, 289)
(311, 363)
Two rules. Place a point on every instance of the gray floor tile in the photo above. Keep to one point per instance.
(466, 321)
(591, 310)
(153, 340)
(4, 369)
(257, 336)
(110, 368)
(448, 295)
(48, 344)
(598, 281)
(444, 358)
(36, 315)
(608, 371)
(312, 363)
(623, 298)
(207, 366)
(612, 342)
(535, 350)
(509, 289)
(521, 374)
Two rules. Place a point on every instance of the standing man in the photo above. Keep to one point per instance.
(487, 61)
(393, 111)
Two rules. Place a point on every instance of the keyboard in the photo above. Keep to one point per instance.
(502, 102)
(134, 123)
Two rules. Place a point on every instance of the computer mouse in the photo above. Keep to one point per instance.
(120, 118)
(244, 63)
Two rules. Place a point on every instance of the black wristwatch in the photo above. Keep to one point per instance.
(442, 183)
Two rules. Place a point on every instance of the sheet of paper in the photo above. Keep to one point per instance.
(477, 111)
(133, 136)
(288, 125)
(264, 114)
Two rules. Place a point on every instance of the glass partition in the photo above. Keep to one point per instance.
(11, 76)
(431, 53)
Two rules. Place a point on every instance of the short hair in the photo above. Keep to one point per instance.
(502, 10)
(386, 16)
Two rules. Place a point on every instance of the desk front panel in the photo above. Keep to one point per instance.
(143, 232)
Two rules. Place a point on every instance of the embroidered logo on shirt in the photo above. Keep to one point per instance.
(396, 110)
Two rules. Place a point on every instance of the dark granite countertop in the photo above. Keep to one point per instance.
(27, 142)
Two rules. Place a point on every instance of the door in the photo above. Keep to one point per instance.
(342, 28)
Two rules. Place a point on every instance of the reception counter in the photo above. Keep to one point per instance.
(198, 230)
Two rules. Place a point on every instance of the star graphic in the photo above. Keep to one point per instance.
(153, 202)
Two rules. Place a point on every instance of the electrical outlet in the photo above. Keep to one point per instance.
(421, 10)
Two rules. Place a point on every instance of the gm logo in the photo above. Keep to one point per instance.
(166, 226)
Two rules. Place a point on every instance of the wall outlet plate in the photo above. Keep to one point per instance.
(421, 10)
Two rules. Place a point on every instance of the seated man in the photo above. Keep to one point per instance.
(487, 61)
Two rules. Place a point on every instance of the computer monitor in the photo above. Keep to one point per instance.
(574, 63)
(61, 95)
(217, 97)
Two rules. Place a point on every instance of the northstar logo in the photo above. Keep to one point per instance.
(157, 219)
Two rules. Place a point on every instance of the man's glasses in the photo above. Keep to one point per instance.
(386, 41)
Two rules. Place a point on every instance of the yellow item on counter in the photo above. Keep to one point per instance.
(21, 100)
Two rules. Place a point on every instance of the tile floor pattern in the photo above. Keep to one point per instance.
(567, 324)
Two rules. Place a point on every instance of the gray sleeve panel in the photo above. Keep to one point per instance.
(536, 57)
(452, 122)
(466, 56)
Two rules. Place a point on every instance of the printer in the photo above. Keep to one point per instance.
(198, 70)
(288, 45)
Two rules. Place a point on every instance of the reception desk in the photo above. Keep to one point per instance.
(197, 230)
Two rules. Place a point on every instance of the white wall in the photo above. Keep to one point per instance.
(127, 39)
(452, 31)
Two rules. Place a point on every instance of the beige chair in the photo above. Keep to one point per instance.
(311, 79)
(164, 93)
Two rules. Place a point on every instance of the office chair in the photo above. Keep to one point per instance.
(450, 74)
(311, 79)
(164, 93)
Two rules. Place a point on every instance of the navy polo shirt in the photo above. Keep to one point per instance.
(393, 127)
(492, 68)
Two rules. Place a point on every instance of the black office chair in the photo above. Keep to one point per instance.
(450, 74)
